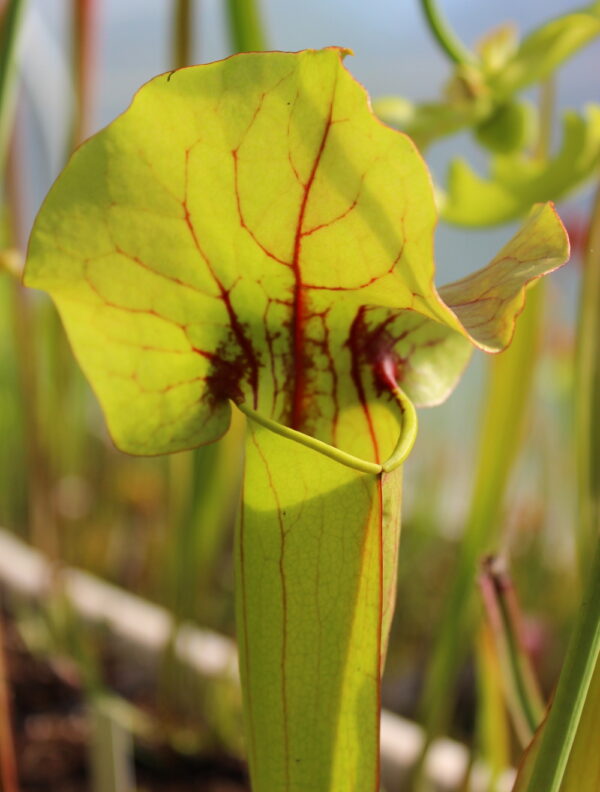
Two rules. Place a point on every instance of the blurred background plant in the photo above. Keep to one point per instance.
(515, 472)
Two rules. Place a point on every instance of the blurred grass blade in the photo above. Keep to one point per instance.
(564, 757)
(510, 381)
(493, 734)
(204, 487)
(584, 759)
(522, 692)
(586, 393)
(245, 26)
(9, 34)
(111, 751)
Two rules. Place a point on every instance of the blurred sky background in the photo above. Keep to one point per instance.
(394, 54)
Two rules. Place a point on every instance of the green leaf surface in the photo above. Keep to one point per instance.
(516, 181)
(313, 613)
(247, 230)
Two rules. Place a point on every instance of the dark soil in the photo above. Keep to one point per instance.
(51, 735)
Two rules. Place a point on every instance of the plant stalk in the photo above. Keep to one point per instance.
(587, 388)
(9, 35)
(42, 516)
(84, 16)
(565, 712)
(522, 692)
(245, 27)
(444, 35)
(182, 30)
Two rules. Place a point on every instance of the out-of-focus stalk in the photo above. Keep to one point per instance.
(583, 654)
(493, 733)
(111, 749)
(182, 27)
(587, 393)
(522, 693)
(84, 59)
(42, 523)
(444, 35)
(9, 35)
(246, 30)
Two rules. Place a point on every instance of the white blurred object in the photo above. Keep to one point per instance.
(146, 629)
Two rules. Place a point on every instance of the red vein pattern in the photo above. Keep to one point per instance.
(276, 233)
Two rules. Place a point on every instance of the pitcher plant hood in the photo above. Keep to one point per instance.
(247, 231)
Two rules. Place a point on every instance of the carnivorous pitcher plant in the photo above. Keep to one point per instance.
(247, 235)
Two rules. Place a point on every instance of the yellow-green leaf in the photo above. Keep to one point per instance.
(247, 230)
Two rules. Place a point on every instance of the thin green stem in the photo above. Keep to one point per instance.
(565, 713)
(311, 442)
(527, 695)
(402, 449)
(587, 387)
(245, 26)
(408, 434)
(8, 41)
(522, 693)
(444, 35)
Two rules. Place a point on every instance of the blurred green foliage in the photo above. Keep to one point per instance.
(150, 524)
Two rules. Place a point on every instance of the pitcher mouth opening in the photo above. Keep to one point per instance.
(402, 449)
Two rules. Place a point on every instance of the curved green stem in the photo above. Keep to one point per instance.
(402, 449)
(408, 433)
(444, 35)
(565, 713)
(311, 442)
